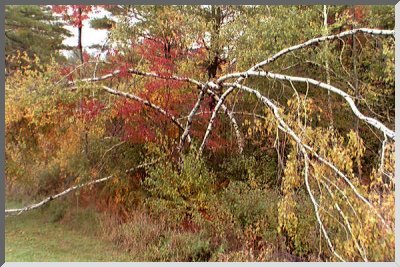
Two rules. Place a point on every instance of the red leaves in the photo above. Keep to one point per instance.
(89, 109)
(163, 57)
(86, 56)
(74, 14)
(157, 84)
(118, 62)
(127, 108)
(140, 124)
(139, 133)
(359, 13)
(66, 71)
(160, 54)
(135, 126)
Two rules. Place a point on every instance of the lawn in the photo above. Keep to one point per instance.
(32, 237)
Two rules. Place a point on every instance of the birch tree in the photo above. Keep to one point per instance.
(275, 93)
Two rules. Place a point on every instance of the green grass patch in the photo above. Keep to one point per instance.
(34, 236)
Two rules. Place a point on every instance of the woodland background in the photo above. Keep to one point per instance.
(248, 192)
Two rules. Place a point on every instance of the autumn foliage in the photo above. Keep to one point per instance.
(314, 180)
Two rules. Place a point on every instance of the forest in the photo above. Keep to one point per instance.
(200, 133)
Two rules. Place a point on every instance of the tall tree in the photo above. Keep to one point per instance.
(75, 15)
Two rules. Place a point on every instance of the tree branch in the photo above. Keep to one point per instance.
(303, 147)
(190, 117)
(374, 122)
(183, 79)
(147, 103)
(69, 190)
(140, 73)
(281, 53)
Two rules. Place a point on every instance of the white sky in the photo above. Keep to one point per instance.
(90, 36)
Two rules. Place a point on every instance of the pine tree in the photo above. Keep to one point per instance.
(34, 30)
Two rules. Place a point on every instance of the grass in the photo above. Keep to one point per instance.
(33, 237)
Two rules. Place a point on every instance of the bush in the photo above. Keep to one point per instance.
(48, 179)
(249, 205)
(84, 219)
(180, 194)
(235, 211)
(55, 211)
(259, 171)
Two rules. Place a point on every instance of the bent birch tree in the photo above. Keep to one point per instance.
(319, 160)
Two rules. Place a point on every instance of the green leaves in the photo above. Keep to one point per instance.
(34, 30)
(186, 192)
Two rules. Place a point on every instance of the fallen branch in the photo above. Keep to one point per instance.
(374, 122)
(281, 53)
(303, 147)
(69, 190)
(177, 78)
(322, 39)
(50, 198)
(147, 103)
(140, 73)
(285, 128)
(213, 117)
(190, 118)
(234, 124)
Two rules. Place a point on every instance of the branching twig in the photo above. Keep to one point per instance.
(284, 127)
(140, 73)
(374, 122)
(281, 53)
(147, 103)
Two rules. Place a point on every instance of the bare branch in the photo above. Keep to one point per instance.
(350, 229)
(213, 117)
(147, 103)
(315, 204)
(374, 122)
(50, 198)
(234, 124)
(281, 53)
(140, 73)
(190, 118)
(322, 39)
(173, 77)
(284, 127)
(71, 189)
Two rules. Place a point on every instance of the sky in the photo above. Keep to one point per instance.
(90, 36)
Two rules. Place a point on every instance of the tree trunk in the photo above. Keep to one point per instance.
(356, 91)
(80, 48)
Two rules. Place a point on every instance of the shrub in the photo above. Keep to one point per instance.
(180, 194)
(259, 171)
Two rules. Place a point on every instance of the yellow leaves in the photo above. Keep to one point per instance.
(289, 102)
(287, 218)
(355, 145)
(292, 179)
(262, 126)
(249, 132)
(258, 124)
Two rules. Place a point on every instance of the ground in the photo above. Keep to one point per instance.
(33, 237)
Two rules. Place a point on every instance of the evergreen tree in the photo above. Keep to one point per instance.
(34, 30)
